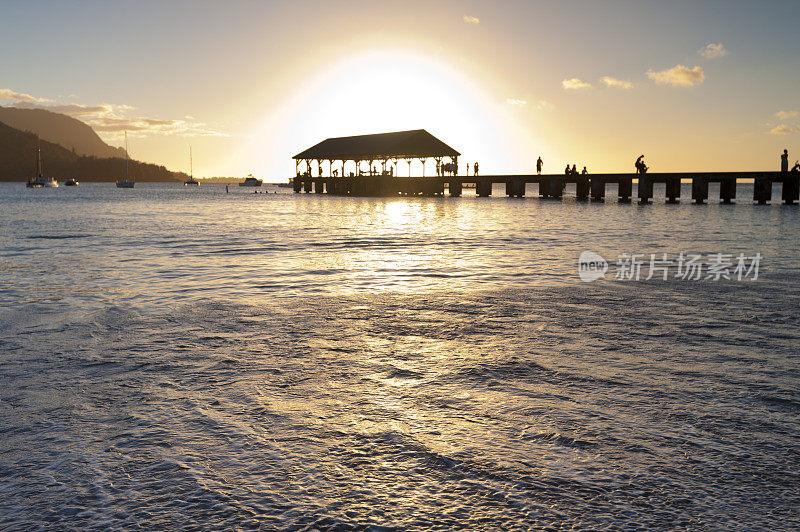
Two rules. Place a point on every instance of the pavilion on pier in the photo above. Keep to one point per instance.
(346, 155)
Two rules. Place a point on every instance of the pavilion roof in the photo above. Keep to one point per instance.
(398, 145)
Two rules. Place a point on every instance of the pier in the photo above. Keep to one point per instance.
(389, 149)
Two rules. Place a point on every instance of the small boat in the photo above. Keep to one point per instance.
(191, 181)
(72, 182)
(40, 181)
(127, 182)
(251, 181)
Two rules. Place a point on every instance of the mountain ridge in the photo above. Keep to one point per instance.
(66, 131)
(18, 162)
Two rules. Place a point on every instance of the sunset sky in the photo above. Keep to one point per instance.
(712, 85)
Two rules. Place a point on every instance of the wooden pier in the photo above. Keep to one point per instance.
(384, 154)
(593, 186)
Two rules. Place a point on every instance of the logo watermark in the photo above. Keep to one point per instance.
(591, 266)
(684, 266)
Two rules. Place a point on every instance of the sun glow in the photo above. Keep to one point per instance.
(390, 90)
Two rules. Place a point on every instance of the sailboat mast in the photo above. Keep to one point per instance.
(39, 151)
(126, 156)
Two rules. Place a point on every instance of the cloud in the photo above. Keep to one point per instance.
(8, 94)
(575, 84)
(471, 20)
(77, 110)
(617, 83)
(678, 76)
(713, 51)
(785, 115)
(783, 129)
(516, 101)
(115, 126)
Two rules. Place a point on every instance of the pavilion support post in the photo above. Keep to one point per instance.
(307, 182)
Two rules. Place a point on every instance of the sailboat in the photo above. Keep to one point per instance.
(40, 181)
(191, 180)
(127, 182)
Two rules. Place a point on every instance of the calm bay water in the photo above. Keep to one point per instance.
(188, 358)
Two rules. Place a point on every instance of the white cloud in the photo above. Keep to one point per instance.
(8, 94)
(783, 129)
(516, 101)
(678, 76)
(471, 20)
(575, 84)
(713, 51)
(617, 83)
(785, 115)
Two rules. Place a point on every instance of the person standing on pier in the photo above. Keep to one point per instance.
(785, 161)
(467, 168)
(567, 170)
(584, 171)
(641, 167)
(796, 167)
(539, 164)
(574, 169)
(474, 168)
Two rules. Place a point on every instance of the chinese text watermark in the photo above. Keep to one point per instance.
(684, 266)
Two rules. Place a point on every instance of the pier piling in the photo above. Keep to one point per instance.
(582, 188)
(791, 189)
(455, 187)
(727, 190)
(673, 189)
(645, 189)
(556, 187)
(598, 186)
(699, 189)
(762, 190)
(625, 190)
(483, 187)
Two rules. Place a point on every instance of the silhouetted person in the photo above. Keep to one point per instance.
(584, 171)
(796, 167)
(467, 168)
(641, 167)
(475, 168)
(785, 161)
(539, 164)
(574, 170)
(566, 170)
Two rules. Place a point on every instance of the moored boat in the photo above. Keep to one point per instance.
(251, 181)
(40, 181)
(127, 182)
